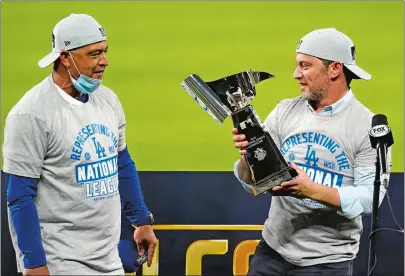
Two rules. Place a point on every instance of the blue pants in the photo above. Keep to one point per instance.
(267, 261)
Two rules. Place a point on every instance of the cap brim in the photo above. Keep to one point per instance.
(48, 59)
(360, 73)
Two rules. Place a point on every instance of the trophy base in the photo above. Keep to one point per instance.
(273, 180)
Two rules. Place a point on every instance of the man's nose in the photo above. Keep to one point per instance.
(297, 73)
(103, 61)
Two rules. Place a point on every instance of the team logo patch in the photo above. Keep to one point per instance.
(260, 154)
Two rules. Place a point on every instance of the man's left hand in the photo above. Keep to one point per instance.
(145, 238)
(301, 186)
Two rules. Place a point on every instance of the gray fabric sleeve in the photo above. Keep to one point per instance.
(25, 145)
(121, 127)
(366, 155)
(358, 199)
(248, 188)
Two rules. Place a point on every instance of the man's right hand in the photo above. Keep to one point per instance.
(240, 141)
(38, 271)
(243, 168)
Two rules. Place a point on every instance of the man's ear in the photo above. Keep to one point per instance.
(65, 59)
(335, 70)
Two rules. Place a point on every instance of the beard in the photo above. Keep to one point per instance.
(314, 95)
(317, 94)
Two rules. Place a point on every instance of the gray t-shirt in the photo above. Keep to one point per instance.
(72, 147)
(329, 149)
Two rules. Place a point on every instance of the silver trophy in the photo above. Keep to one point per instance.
(231, 96)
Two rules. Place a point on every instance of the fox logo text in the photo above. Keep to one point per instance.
(380, 130)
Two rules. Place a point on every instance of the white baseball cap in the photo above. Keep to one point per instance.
(74, 31)
(330, 44)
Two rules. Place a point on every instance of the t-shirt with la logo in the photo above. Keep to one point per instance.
(72, 147)
(327, 148)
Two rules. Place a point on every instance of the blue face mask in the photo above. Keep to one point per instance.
(84, 84)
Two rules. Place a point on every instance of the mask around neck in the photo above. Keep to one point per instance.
(83, 83)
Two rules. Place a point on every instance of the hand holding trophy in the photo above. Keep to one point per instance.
(231, 96)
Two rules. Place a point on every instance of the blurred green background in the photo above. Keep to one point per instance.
(153, 46)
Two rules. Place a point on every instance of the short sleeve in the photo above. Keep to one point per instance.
(366, 155)
(121, 127)
(25, 145)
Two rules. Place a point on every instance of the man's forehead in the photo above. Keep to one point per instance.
(102, 45)
(299, 57)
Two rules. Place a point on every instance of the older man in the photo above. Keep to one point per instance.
(68, 169)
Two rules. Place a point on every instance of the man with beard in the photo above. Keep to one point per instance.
(314, 223)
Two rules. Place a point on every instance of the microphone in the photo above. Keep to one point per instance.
(381, 139)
